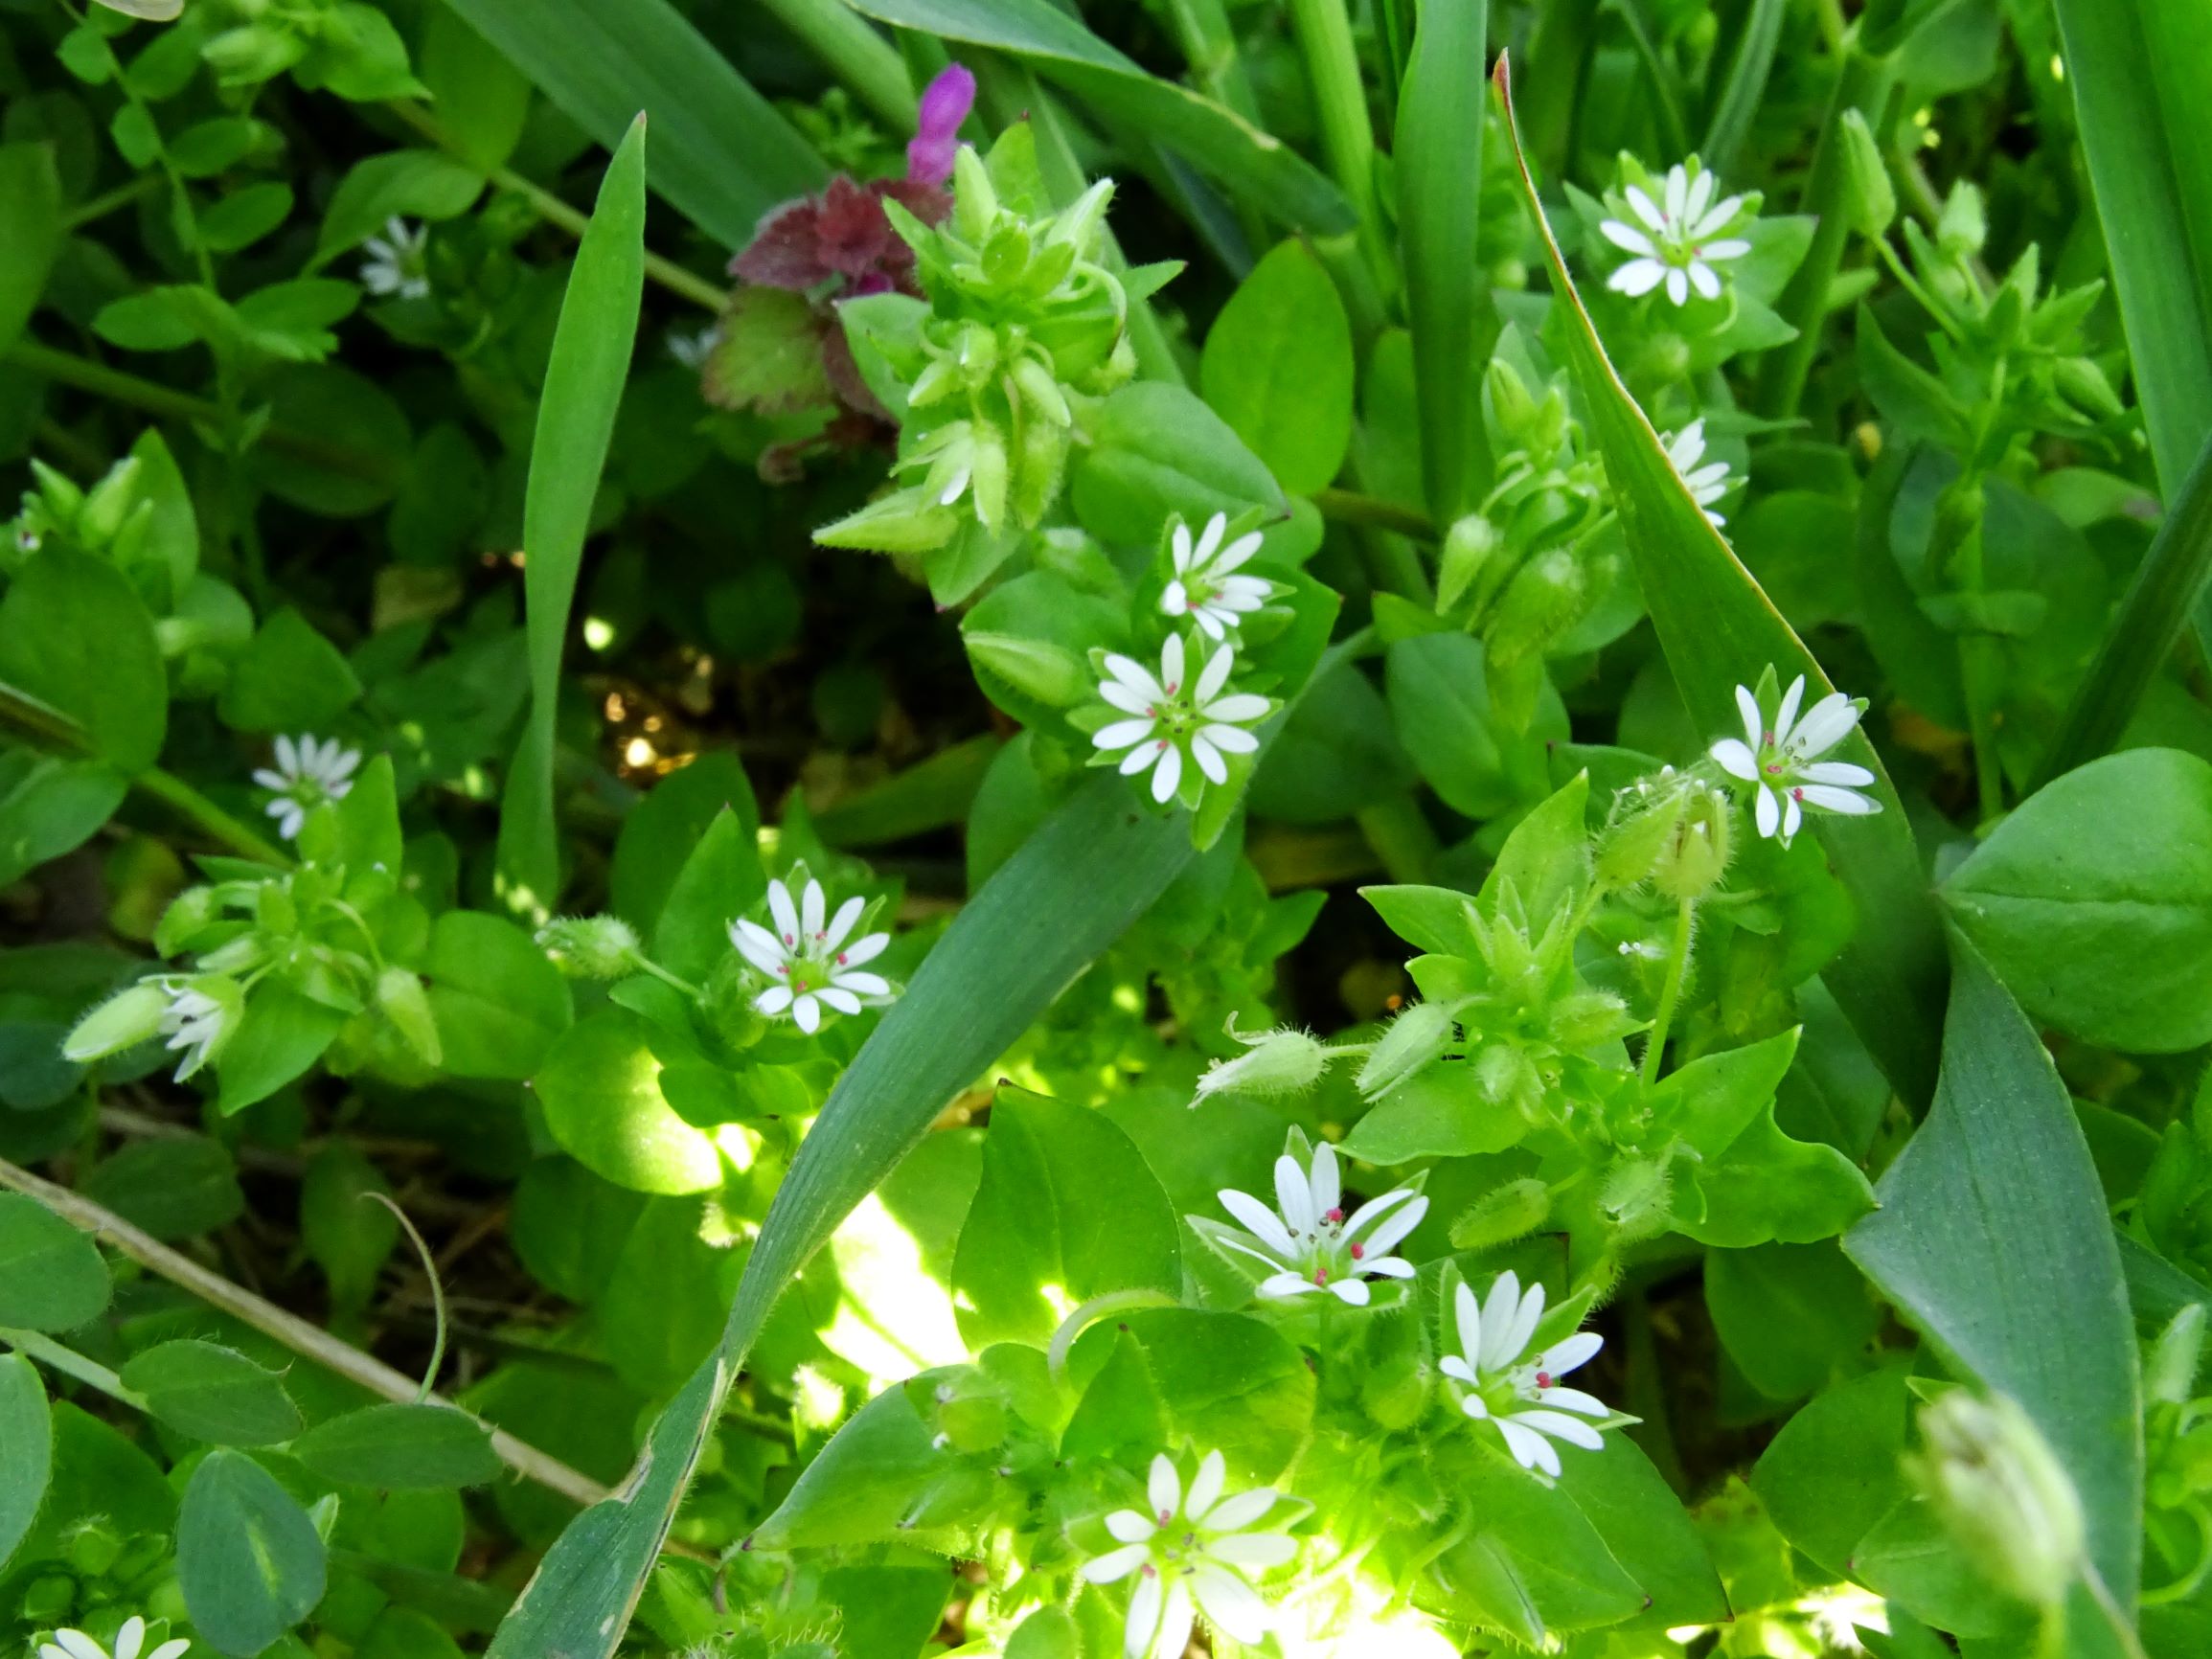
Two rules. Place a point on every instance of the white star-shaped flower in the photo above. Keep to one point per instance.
(197, 1020)
(1192, 1555)
(807, 961)
(1516, 1390)
(77, 1645)
(310, 772)
(1706, 484)
(397, 262)
(1307, 1239)
(1783, 761)
(1170, 717)
(1204, 588)
(1678, 242)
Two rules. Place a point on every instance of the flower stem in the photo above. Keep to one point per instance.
(1671, 992)
(646, 965)
(1350, 506)
(54, 1356)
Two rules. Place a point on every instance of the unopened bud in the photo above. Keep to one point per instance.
(1629, 849)
(904, 521)
(1637, 1197)
(1276, 1062)
(1468, 546)
(1415, 1039)
(123, 1021)
(1503, 1215)
(1588, 1018)
(2170, 1374)
(1506, 1076)
(1873, 199)
(1041, 393)
(987, 475)
(1963, 225)
(1696, 855)
(1513, 412)
(974, 203)
(590, 946)
(1545, 599)
(2084, 385)
(107, 504)
(1993, 1478)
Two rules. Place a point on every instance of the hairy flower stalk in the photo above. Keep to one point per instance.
(1782, 760)
(1309, 1243)
(807, 961)
(1516, 1390)
(1192, 1551)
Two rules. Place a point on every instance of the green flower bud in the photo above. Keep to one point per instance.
(123, 1021)
(1545, 599)
(1513, 412)
(1661, 357)
(1415, 1039)
(1588, 1018)
(1503, 1215)
(253, 54)
(974, 202)
(59, 495)
(1993, 1478)
(108, 504)
(1468, 546)
(406, 1004)
(904, 521)
(48, 1598)
(1504, 1076)
(1038, 468)
(2170, 1375)
(1283, 1061)
(590, 946)
(1696, 855)
(1629, 850)
(1872, 198)
(1963, 225)
(93, 1547)
(2082, 383)
(1041, 393)
(987, 476)
(1077, 225)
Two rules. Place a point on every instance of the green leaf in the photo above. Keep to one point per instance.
(1277, 367)
(1534, 1564)
(722, 155)
(1834, 1470)
(212, 1392)
(31, 208)
(661, 830)
(26, 1449)
(288, 680)
(1067, 1210)
(2093, 901)
(170, 1189)
(415, 184)
(1792, 1316)
(362, 832)
(1439, 691)
(1229, 1381)
(51, 1275)
(1644, 1526)
(248, 1558)
(499, 1003)
(601, 1091)
(1253, 165)
(721, 880)
(1443, 107)
(2136, 73)
(1155, 449)
(1121, 1415)
(50, 805)
(576, 413)
(344, 1230)
(406, 1447)
(74, 633)
(1095, 866)
(1719, 631)
(867, 1484)
(1991, 1206)
(282, 1033)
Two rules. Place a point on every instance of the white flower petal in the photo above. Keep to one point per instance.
(1172, 665)
(1241, 708)
(866, 948)
(1733, 248)
(1832, 800)
(1766, 814)
(847, 918)
(1530, 1449)
(1206, 1486)
(1164, 1486)
(1702, 278)
(1469, 1313)
(1237, 555)
(1324, 1181)
(1701, 193)
(1235, 1514)
(1284, 1285)
(806, 1012)
(1560, 1426)
(1392, 1227)
(1141, 757)
(1144, 1616)
(1786, 716)
(1626, 236)
(1122, 734)
(774, 1000)
(1135, 676)
(1294, 1196)
(1259, 1551)
(1736, 759)
(1645, 208)
(1131, 1527)
(786, 913)
(1499, 1308)
(1716, 221)
(130, 1638)
(1452, 1366)
(1351, 1291)
(1210, 537)
(1754, 723)
(1637, 278)
(1167, 774)
(1388, 1267)
(861, 984)
(1574, 1399)
(270, 779)
(174, 1648)
(1214, 675)
(1209, 617)
(758, 946)
(1230, 1601)
(1831, 721)
(1175, 1620)
(1524, 1322)
(1229, 739)
(79, 1645)
(1209, 758)
(1835, 772)
(1569, 1355)
(1679, 287)
(1175, 598)
(1115, 1564)
(1793, 817)
(839, 998)
(1677, 192)
(1179, 548)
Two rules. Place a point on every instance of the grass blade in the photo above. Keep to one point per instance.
(591, 354)
(722, 156)
(1993, 1208)
(2166, 590)
(1745, 85)
(1087, 873)
(2139, 72)
(1253, 165)
(1437, 149)
(1718, 629)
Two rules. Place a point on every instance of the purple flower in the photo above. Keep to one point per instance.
(944, 104)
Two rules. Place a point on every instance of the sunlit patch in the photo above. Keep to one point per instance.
(598, 632)
(894, 1319)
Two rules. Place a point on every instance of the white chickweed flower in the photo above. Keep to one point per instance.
(128, 1641)
(693, 347)
(1172, 718)
(310, 772)
(1679, 242)
(1191, 1552)
(1706, 484)
(397, 262)
(1782, 760)
(196, 1022)
(1205, 589)
(1517, 1390)
(806, 960)
(1310, 1242)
